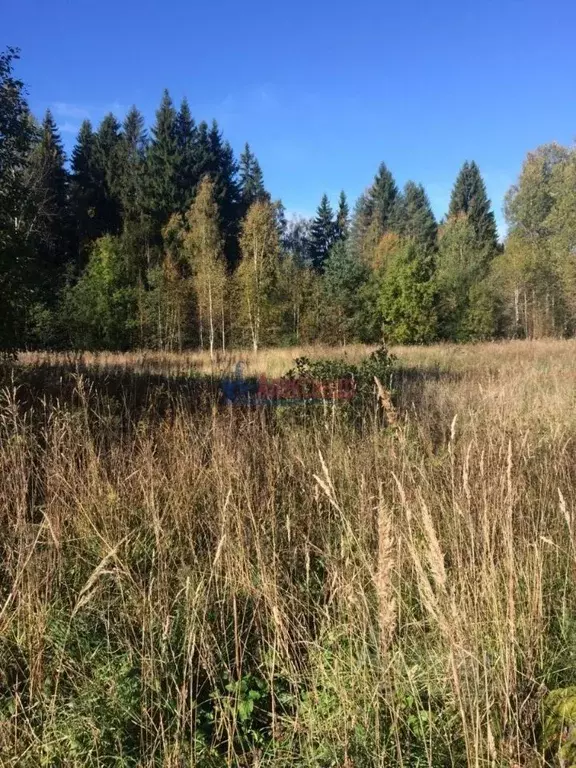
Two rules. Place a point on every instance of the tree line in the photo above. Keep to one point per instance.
(164, 239)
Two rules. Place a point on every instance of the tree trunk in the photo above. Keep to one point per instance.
(211, 319)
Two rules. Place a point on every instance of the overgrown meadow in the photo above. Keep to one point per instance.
(185, 582)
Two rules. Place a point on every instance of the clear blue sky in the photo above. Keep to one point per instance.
(323, 91)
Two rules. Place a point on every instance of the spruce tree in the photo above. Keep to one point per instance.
(413, 216)
(382, 198)
(342, 217)
(407, 299)
(85, 190)
(374, 215)
(360, 224)
(469, 197)
(187, 139)
(132, 186)
(343, 279)
(203, 150)
(16, 136)
(132, 164)
(52, 223)
(106, 148)
(251, 180)
(223, 170)
(462, 263)
(164, 164)
(322, 234)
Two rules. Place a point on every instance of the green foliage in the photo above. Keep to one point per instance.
(187, 140)
(164, 163)
(413, 217)
(559, 726)
(407, 298)
(342, 218)
(462, 266)
(344, 277)
(85, 191)
(107, 150)
(469, 197)
(379, 363)
(52, 226)
(322, 234)
(250, 179)
(16, 136)
(101, 307)
(458, 284)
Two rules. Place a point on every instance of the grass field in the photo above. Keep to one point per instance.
(184, 583)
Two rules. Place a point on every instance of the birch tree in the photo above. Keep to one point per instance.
(205, 252)
(260, 247)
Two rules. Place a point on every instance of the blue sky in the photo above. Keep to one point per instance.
(323, 91)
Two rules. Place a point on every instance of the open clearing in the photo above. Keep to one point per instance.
(188, 584)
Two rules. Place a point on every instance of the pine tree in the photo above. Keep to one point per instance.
(413, 217)
(322, 234)
(469, 197)
(203, 244)
(251, 180)
(342, 217)
(164, 164)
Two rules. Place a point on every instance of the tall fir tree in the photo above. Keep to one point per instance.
(17, 133)
(382, 198)
(132, 181)
(251, 180)
(360, 224)
(413, 217)
(322, 234)
(374, 215)
(406, 298)
(342, 217)
(462, 262)
(131, 156)
(85, 191)
(469, 197)
(343, 280)
(187, 139)
(106, 148)
(223, 170)
(52, 223)
(164, 164)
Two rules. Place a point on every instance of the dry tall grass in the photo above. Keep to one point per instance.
(221, 586)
